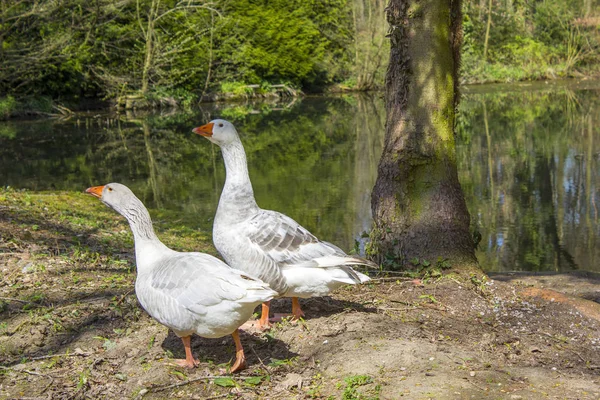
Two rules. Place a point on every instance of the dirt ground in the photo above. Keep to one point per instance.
(71, 328)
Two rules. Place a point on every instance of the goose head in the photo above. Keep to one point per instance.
(115, 195)
(218, 131)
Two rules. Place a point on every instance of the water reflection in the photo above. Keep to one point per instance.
(528, 161)
(529, 165)
(315, 160)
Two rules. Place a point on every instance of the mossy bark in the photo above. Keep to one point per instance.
(418, 205)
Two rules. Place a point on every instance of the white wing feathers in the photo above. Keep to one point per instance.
(290, 245)
(198, 281)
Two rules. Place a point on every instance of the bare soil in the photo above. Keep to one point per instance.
(71, 327)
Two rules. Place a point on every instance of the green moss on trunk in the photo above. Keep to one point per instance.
(418, 205)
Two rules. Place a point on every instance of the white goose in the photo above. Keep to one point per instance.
(268, 244)
(187, 292)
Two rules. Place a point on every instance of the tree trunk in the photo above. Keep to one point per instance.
(2, 27)
(418, 205)
(487, 31)
(149, 37)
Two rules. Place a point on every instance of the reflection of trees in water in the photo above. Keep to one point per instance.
(533, 187)
(369, 128)
(152, 167)
(302, 161)
(539, 160)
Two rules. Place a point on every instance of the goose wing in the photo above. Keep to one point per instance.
(199, 281)
(289, 244)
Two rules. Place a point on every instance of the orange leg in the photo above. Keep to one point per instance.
(240, 359)
(190, 361)
(296, 310)
(263, 323)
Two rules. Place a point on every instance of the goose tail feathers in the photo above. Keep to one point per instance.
(334, 261)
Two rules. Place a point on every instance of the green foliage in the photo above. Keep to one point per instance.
(107, 48)
(8, 131)
(238, 89)
(8, 106)
(253, 380)
(183, 50)
(298, 41)
(224, 382)
(547, 39)
(352, 383)
(285, 362)
(181, 96)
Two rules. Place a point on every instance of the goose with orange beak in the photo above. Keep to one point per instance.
(187, 292)
(268, 244)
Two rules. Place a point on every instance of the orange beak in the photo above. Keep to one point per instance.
(95, 191)
(204, 130)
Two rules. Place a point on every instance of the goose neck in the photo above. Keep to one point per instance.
(236, 166)
(141, 225)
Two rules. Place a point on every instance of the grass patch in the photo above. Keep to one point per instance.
(77, 216)
(351, 385)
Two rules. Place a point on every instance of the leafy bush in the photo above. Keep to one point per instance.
(527, 41)
(8, 106)
(238, 89)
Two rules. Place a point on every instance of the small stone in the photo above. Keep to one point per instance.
(28, 268)
(37, 339)
(291, 380)
(472, 373)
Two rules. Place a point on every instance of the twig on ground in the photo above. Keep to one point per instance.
(387, 271)
(161, 388)
(17, 300)
(408, 303)
(124, 296)
(26, 371)
(48, 385)
(259, 359)
(391, 279)
(76, 353)
(578, 355)
(397, 309)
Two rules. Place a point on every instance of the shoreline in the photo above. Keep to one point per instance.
(54, 109)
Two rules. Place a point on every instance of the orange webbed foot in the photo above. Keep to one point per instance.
(240, 362)
(185, 363)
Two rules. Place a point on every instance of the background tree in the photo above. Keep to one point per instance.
(370, 44)
(164, 43)
(418, 205)
(72, 49)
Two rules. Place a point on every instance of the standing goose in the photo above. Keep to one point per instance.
(187, 292)
(268, 244)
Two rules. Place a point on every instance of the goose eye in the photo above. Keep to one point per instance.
(110, 189)
(220, 125)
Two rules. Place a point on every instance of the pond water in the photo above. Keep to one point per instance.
(528, 159)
